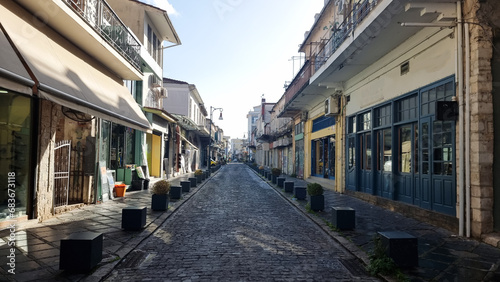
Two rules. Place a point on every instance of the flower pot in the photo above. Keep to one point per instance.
(274, 179)
(186, 186)
(281, 181)
(193, 181)
(159, 202)
(175, 192)
(120, 190)
(300, 193)
(198, 178)
(137, 185)
(317, 202)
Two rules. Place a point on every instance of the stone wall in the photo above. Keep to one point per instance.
(479, 16)
(49, 117)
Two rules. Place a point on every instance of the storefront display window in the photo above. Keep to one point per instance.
(15, 153)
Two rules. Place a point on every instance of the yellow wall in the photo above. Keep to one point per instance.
(156, 156)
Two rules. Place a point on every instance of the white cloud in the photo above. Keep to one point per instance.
(162, 4)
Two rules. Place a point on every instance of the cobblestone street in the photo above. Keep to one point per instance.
(237, 228)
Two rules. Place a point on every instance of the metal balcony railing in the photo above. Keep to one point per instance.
(341, 32)
(99, 15)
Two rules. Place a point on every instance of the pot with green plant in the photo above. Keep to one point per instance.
(199, 175)
(275, 173)
(316, 197)
(160, 197)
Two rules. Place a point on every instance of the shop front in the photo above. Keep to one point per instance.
(402, 151)
(323, 147)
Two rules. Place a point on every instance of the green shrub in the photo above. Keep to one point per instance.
(161, 187)
(314, 189)
(198, 172)
(276, 171)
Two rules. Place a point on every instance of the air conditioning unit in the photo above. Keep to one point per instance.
(155, 81)
(163, 92)
(332, 106)
(303, 116)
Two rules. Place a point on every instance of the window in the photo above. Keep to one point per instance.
(442, 147)
(387, 150)
(150, 39)
(299, 128)
(155, 48)
(383, 116)
(352, 125)
(442, 92)
(407, 108)
(351, 152)
(368, 152)
(366, 121)
(405, 148)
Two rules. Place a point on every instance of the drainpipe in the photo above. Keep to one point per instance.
(460, 121)
(467, 130)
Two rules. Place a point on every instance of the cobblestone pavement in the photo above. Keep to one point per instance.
(237, 228)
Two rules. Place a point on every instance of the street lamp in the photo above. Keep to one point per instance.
(209, 162)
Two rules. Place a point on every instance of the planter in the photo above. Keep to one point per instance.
(186, 186)
(274, 179)
(159, 202)
(317, 202)
(281, 181)
(193, 181)
(300, 193)
(203, 176)
(146, 184)
(137, 185)
(133, 218)
(198, 178)
(120, 190)
(175, 192)
(289, 186)
(88, 246)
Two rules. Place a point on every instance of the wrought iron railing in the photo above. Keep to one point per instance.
(341, 32)
(99, 15)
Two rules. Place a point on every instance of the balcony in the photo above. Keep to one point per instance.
(300, 81)
(371, 30)
(99, 15)
(93, 26)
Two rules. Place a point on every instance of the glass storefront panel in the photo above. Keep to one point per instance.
(15, 154)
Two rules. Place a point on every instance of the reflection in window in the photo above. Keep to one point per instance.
(368, 152)
(383, 116)
(366, 121)
(351, 153)
(387, 153)
(443, 147)
(405, 149)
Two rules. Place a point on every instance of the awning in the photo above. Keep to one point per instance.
(67, 75)
(13, 75)
(164, 115)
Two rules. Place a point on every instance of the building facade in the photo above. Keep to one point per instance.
(60, 89)
(395, 105)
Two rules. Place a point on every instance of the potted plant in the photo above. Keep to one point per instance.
(160, 191)
(316, 197)
(199, 175)
(275, 173)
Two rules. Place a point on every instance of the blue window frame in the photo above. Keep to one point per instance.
(421, 148)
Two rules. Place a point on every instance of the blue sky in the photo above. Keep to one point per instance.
(236, 50)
